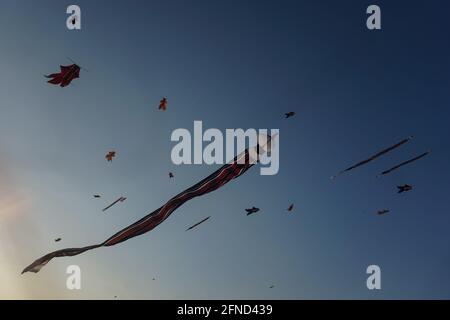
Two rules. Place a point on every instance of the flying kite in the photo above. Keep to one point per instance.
(272, 286)
(57, 239)
(96, 196)
(163, 104)
(121, 199)
(289, 114)
(382, 152)
(383, 211)
(252, 210)
(290, 207)
(110, 155)
(235, 168)
(404, 188)
(404, 163)
(195, 225)
(65, 77)
(171, 175)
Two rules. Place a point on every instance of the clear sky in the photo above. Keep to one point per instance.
(231, 64)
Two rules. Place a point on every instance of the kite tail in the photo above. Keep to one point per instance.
(213, 182)
(41, 262)
(404, 163)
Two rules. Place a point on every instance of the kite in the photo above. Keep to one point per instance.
(272, 286)
(109, 157)
(404, 163)
(404, 188)
(97, 196)
(171, 175)
(383, 211)
(192, 227)
(57, 239)
(163, 104)
(232, 170)
(289, 114)
(382, 152)
(121, 199)
(252, 210)
(65, 77)
(290, 207)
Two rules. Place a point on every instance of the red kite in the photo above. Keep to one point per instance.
(65, 77)
(109, 157)
(163, 104)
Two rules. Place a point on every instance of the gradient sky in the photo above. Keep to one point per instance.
(231, 64)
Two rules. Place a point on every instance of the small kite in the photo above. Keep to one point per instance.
(163, 104)
(110, 155)
(57, 239)
(97, 196)
(272, 286)
(404, 163)
(198, 223)
(121, 199)
(171, 175)
(252, 210)
(289, 114)
(290, 207)
(404, 188)
(382, 152)
(232, 170)
(65, 77)
(383, 211)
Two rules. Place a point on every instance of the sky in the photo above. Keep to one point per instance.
(231, 64)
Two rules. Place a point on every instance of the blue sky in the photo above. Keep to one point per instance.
(231, 64)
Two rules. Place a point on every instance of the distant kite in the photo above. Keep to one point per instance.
(404, 188)
(163, 104)
(383, 211)
(291, 207)
(57, 239)
(252, 210)
(198, 223)
(171, 175)
(219, 178)
(289, 114)
(121, 199)
(110, 155)
(404, 163)
(382, 152)
(65, 77)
